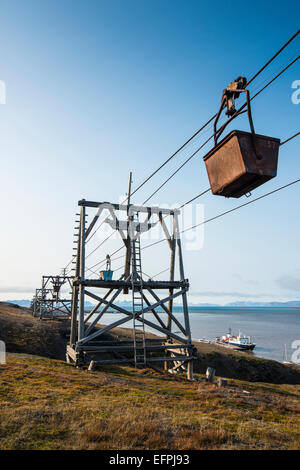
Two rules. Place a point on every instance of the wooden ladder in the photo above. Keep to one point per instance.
(137, 300)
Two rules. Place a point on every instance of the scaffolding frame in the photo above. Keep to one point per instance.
(48, 302)
(87, 338)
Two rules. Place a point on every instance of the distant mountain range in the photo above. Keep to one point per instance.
(290, 303)
(22, 303)
(238, 304)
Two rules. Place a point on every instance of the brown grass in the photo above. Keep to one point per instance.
(47, 404)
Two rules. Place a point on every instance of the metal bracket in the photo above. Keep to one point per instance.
(228, 100)
(231, 93)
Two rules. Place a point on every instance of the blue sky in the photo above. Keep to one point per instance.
(96, 89)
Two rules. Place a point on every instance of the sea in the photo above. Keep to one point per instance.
(270, 328)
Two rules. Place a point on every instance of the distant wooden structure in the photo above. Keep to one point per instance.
(48, 302)
(88, 344)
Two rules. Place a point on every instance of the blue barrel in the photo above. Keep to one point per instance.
(106, 275)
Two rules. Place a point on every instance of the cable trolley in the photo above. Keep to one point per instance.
(241, 161)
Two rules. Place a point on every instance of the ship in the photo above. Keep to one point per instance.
(240, 341)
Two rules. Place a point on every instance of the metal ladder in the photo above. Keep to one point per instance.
(137, 300)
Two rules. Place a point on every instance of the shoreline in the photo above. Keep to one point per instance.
(25, 334)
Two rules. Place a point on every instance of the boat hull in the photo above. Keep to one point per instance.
(244, 347)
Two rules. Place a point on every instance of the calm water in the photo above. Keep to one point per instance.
(269, 328)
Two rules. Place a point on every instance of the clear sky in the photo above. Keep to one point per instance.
(95, 89)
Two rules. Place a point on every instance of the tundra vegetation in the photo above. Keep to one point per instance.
(48, 404)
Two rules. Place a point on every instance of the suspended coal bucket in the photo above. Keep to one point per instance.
(242, 160)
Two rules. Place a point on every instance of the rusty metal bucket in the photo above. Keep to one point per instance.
(235, 166)
(242, 160)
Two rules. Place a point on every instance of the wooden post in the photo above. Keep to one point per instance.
(75, 294)
(128, 245)
(34, 304)
(184, 298)
(74, 315)
(222, 382)
(172, 271)
(172, 246)
(42, 298)
(82, 273)
(210, 374)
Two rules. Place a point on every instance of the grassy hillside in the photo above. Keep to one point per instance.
(25, 334)
(48, 404)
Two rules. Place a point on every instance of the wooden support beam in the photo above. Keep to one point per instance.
(160, 302)
(94, 309)
(128, 244)
(129, 316)
(172, 273)
(108, 304)
(129, 360)
(154, 312)
(117, 347)
(102, 300)
(162, 330)
(115, 284)
(92, 224)
(134, 208)
(105, 330)
(166, 231)
(82, 274)
(167, 310)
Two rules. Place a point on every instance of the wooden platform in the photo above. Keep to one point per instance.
(128, 284)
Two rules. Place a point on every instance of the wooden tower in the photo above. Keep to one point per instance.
(151, 301)
(48, 302)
